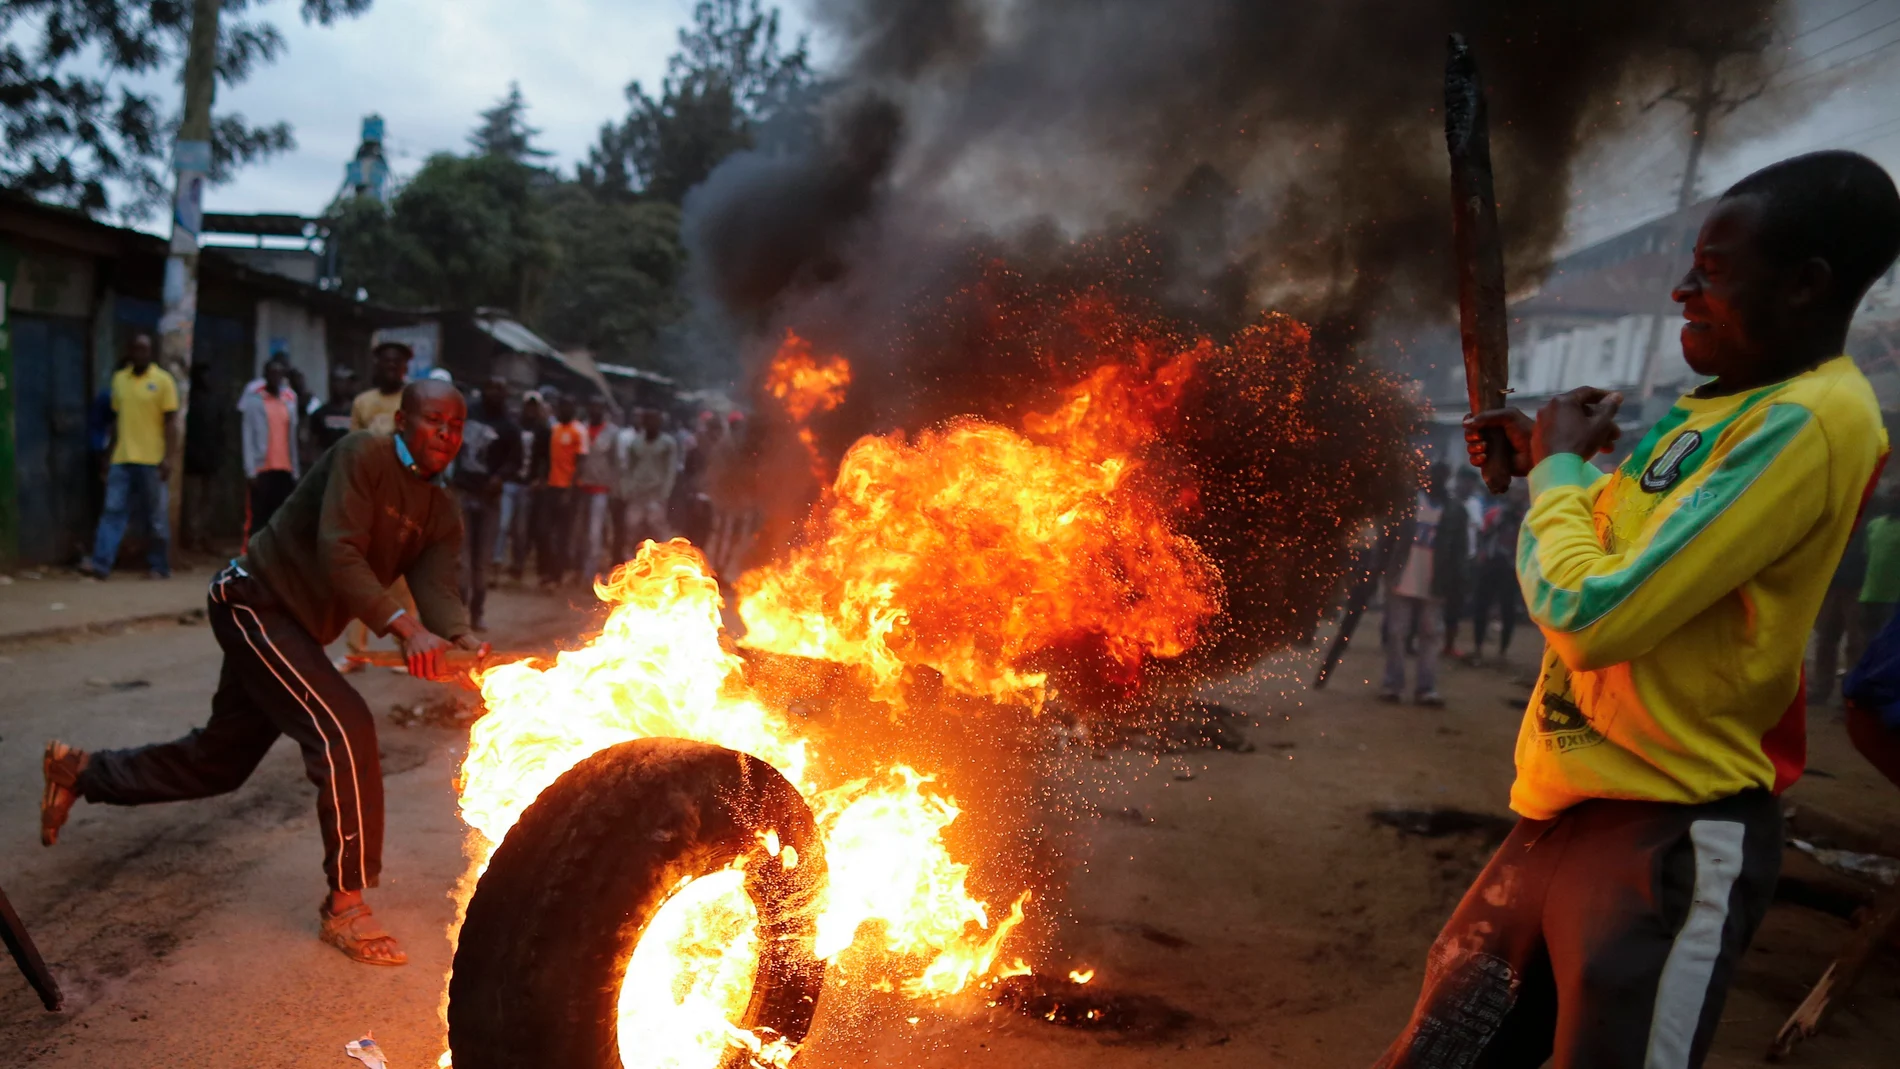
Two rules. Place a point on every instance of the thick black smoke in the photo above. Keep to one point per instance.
(1202, 161)
(1320, 122)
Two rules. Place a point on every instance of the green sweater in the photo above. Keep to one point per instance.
(357, 522)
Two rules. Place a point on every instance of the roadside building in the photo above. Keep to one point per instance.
(75, 291)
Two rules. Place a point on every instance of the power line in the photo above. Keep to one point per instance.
(1653, 151)
(1838, 64)
(1843, 44)
(1875, 139)
(1815, 143)
(1835, 48)
(1811, 31)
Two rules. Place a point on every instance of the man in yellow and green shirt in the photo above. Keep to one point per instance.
(1675, 595)
(145, 428)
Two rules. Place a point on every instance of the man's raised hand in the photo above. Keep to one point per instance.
(1582, 421)
(1517, 429)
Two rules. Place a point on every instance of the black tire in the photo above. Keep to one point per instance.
(543, 947)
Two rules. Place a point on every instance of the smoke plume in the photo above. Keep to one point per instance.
(983, 165)
(1319, 122)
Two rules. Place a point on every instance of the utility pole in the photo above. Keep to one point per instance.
(1706, 102)
(191, 165)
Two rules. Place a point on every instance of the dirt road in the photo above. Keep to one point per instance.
(1248, 900)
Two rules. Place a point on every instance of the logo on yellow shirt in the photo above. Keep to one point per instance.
(1665, 469)
(1562, 725)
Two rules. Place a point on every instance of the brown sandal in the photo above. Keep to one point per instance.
(354, 931)
(61, 768)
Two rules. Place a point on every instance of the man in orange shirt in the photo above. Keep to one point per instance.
(269, 410)
(594, 479)
(567, 444)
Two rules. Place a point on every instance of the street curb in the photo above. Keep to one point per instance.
(98, 628)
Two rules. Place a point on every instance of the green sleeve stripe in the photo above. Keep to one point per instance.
(1562, 469)
(1640, 457)
(1573, 610)
(1694, 461)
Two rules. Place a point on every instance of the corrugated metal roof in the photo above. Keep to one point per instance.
(517, 337)
(625, 372)
(522, 340)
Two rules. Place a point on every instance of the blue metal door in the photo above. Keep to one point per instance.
(49, 376)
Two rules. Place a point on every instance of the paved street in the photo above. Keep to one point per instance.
(1255, 897)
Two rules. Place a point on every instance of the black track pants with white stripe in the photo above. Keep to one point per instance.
(1604, 939)
(276, 680)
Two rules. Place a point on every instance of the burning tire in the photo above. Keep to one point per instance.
(542, 971)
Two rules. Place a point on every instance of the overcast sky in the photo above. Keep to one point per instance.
(428, 66)
(1838, 87)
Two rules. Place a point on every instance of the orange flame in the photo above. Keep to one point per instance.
(973, 548)
(658, 669)
(806, 385)
(803, 382)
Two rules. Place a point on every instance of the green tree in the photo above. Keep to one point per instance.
(78, 127)
(465, 232)
(729, 76)
(615, 285)
(504, 130)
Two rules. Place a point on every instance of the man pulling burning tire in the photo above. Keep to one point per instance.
(365, 515)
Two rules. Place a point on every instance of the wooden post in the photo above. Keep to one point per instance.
(191, 165)
(9, 486)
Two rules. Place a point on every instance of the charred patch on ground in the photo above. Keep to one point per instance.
(1091, 1008)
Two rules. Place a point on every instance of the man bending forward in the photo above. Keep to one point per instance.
(366, 514)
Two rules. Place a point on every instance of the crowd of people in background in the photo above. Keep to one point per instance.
(559, 486)
(1453, 562)
(555, 484)
(1860, 599)
(1450, 561)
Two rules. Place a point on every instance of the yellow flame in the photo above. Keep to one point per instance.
(658, 669)
(972, 549)
(1081, 976)
(690, 974)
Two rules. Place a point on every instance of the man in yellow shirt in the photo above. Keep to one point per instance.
(374, 409)
(145, 399)
(1675, 595)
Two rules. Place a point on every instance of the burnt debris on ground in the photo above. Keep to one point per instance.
(1090, 1008)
